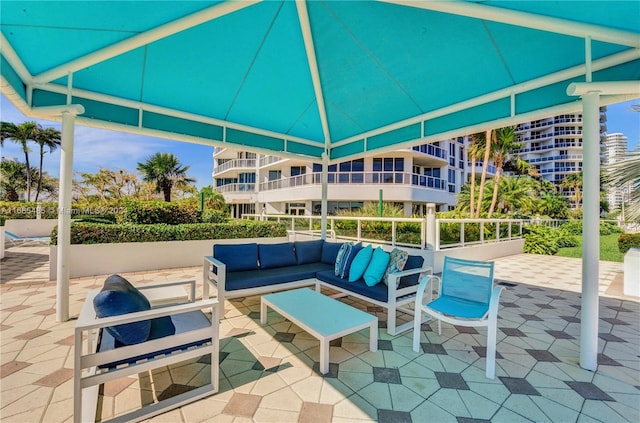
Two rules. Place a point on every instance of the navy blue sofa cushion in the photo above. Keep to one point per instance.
(378, 292)
(330, 251)
(276, 255)
(237, 257)
(309, 251)
(413, 262)
(119, 297)
(264, 277)
(160, 327)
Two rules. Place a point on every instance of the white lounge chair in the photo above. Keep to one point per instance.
(25, 241)
(466, 297)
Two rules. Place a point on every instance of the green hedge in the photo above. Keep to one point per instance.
(99, 233)
(574, 227)
(155, 212)
(628, 241)
(542, 239)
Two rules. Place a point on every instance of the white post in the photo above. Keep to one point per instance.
(431, 227)
(590, 230)
(325, 186)
(64, 217)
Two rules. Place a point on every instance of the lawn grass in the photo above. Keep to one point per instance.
(608, 249)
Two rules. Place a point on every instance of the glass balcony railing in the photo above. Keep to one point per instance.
(235, 164)
(237, 187)
(267, 160)
(431, 150)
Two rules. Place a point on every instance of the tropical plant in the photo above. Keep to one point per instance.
(213, 199)
(573, 183)
(166, 171)
(504, 145)
(476, 145)
(626, 173)
(488, 151)
(12, 179)
(21, 134)
(49, 138)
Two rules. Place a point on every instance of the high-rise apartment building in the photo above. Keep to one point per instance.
(614, 150)
(553, 145)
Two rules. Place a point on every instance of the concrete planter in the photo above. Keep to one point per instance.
(104, 259)
(31, 227)
(632, 272)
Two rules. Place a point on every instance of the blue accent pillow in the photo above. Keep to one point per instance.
(343, 252)
(309, 251)
(237, 257)
(360, 263)
(376, 268)
(276, 255)
(330, 251)
(348, 260)
(413, 262)
(118, 297)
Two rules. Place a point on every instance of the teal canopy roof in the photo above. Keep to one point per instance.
(302, 78)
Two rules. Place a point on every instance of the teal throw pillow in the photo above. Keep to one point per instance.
(360, 263)
(377, 266)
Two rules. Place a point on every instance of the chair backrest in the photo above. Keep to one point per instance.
(469, 280)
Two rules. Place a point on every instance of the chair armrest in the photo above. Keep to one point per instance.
(215, 263)
(190, 283)
(88, 319)
(495, 300)
(426, 282)
(217, 279)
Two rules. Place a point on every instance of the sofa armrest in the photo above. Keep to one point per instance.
(214, 273)
(394, 280)
(169, 293)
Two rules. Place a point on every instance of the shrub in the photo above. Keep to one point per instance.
(2, 220)
(540, 239)
(214, 216)
(156, 212)
(628, 241)
(573, 227)
(608, 228)
(100, 233)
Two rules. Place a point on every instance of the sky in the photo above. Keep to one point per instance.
(96, 148)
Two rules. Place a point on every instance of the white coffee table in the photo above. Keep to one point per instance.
(323, 317)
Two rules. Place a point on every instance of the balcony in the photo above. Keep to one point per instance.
(431, 150)
(357, 178)
(267, 160)
(235, 164)
(238, 187)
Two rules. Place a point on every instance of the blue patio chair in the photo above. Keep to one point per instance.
(467, 297)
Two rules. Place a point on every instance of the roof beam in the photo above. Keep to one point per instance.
(14, 60)
(527, 20)
(144, 38)
(303, 16)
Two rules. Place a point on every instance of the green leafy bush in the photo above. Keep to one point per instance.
(572, 227)
(101, 233)
(156, 212)
(2, 220)
(540, 239)
(214, 216)
(628, 241)
(608, 228)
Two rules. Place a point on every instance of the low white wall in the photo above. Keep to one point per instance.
(30, 227)
(105, 259)
(632, 272)
(479, 252)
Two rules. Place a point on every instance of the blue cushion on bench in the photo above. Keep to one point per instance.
(119, 297)
(378, 292)
(276, 255)
(277, 275)
(237, 257)
(161, 327)
(309, 251)
(330, 251)
(413, 262)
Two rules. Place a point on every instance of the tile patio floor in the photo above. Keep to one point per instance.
(269, 374)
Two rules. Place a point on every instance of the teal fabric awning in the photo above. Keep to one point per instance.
(301, 78)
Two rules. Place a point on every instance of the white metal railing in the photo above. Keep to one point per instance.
(239, 187)
(267, 160)
(406, 232)
(383, 178)
(235, 163)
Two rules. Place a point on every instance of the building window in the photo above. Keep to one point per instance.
(274, 175)
(298, 170)
(452, 176)
(393, 168)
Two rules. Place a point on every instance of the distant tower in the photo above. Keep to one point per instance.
(615, 150)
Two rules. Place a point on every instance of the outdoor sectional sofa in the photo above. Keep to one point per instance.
(239, 270)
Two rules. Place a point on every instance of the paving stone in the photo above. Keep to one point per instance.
(312, 412)
(482, 351)
(513, 332)
(392, 416)
(284, 336)
(466, 329)
(242, 405)
(517, 385)
(451, 380)
(385, 345)
(542, 355)
(56, 378)
(570, 319)
(589, 391)
(559, 334)
(609, 337)
(12, 367)
(433, 348)
(607, 361)
(386, 375)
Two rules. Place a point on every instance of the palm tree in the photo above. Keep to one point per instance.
(504, 146)
(573, 182)
(21, 134)
(166, 171)
(488, 150)
(50, 138)
(476, 146)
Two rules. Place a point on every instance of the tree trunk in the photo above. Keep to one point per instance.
(39, 188)
(494, 199)
(472, 187)
(26, 161)
(483, 178)
(166, 189)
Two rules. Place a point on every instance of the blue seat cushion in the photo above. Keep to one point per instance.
(119, 297)
(378, 292)
(459, 307)
(330, 251)
(160, 327)
(265, 277)
(276, 255)
(309, 251)
(237, 257)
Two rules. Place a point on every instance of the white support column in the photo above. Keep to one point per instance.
(591, 230)
(64, 216)
(431, 227)
(325, 189)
